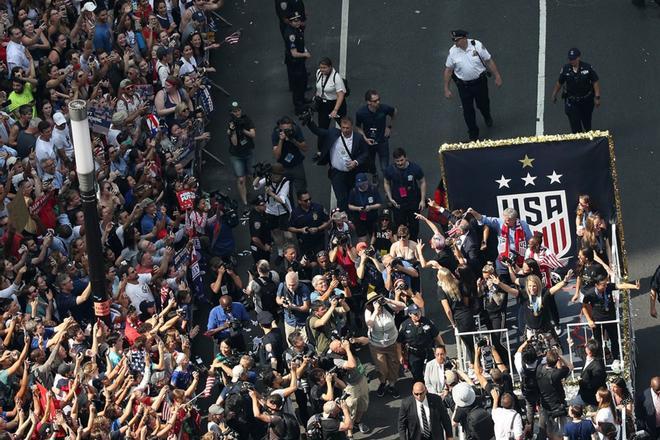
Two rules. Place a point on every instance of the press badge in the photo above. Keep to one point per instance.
(410, 177)
(426, 328)
(288, 158)
(403, 192)
(363, 215)
(370, 200)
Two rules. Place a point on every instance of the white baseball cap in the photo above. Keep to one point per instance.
(59, 118)
(89, 7)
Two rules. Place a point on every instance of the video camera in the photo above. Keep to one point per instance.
(370, 251)
(341, 239)
(539, 343)
(306, 115)
(487, 359)
(343, 397)
(337, 296)
(262, 169)
(228, 206)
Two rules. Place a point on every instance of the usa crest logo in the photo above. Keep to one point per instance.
(544, 211)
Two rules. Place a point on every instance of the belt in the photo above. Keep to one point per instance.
(418, 350)
(470, 82)
(579, 98)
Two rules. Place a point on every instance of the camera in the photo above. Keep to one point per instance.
(506, 260)
(306, 115)
(539, 343)
(370, 251)
(343, 397)
(382, 300)
(341, 239)
(198, 364)
(402, 286)
(338, 296)
(246, 387)
(262, 169)
(288, 132)
(487, 359)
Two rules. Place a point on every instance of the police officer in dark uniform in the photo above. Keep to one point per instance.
(309, 221)
(260, 237)
(418, 334)
(285, 7)
(581, 91)
(295, 56)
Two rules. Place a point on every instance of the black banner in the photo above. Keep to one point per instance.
(541, 180)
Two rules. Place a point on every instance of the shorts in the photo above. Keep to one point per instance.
(278, 221)
(242, 165)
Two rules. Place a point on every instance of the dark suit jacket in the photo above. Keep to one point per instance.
(645, 412)
(409, 426)
(592, 378)
(329, 137)
(471, 250)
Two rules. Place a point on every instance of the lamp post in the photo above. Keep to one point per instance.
(82, 148)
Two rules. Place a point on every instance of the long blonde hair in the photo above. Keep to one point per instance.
(533, 279)
(449, 284)
(590, 228)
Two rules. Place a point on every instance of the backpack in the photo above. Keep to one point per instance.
(268, 293)
(529, 384)
(288, 428)
(319, 428)
(480, 424)
(235, 407)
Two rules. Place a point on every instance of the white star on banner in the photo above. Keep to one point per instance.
(529, 180)
(503, 182)
(554, 177)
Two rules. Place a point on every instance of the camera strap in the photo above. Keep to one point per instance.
(474, 45)
(343, 141)
(323, 83)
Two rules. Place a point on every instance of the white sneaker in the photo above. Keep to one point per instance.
(363, 428)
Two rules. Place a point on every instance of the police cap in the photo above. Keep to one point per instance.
(458, 33)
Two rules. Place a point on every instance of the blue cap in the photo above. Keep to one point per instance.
(361, 178)
(574, 53)
(413, 308)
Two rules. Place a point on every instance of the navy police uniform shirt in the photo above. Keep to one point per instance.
(294, 39)
(602, 303)
(578, 84)
(419, 336)
(403, 184)
(259, 226)
(284, 8)
(373, 124)
(313, 218)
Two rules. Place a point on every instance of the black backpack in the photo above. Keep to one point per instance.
(348, 89)
(288, 428)
(236, 407)
(319, 428)
(268, 293)
(480, 424)
(530, 384)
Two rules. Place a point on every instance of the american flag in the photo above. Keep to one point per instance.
(233, 38)
(210, 381)
(167, 411)
(550, 260)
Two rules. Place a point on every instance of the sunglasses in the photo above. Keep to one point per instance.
(420, 394)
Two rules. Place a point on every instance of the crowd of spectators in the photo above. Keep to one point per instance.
(327, 291)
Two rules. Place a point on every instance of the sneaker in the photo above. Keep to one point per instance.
(393, 392)
(363, 428)
(381, 390)
(558, 330)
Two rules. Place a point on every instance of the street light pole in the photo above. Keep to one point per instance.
(82, 148)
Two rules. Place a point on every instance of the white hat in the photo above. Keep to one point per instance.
(236, 373)
(89, 7)
(59, 118)
(463, 395)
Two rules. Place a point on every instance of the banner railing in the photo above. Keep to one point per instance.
(571, 347)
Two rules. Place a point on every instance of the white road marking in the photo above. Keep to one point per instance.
(343, 51)
(540, 87)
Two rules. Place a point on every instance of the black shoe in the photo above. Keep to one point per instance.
(393, 392)
(381, 389)
(474, 136)
(489, 121)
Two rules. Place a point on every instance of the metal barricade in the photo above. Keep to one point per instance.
(463, 362)
(569, 328)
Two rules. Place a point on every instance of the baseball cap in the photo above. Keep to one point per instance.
(146, 305)
(216, 409)
(199, 16)
(125, 83)
(413, 308)
(265, 318)
(234, 106)
(458, 33)
(162, 51)
(59, 119)
(361, 178)
(119, 117)
(573, 53)
(236, 373)
(89, 7)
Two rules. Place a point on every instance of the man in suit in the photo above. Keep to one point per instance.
(345, 152)
(423, 416)
(593, 375)
(647, 409)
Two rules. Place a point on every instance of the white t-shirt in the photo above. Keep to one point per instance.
(16, 56)
(62, 141)
(141, 291)
(187, 66)
(503, 418)
(605, 415)
(333, 84)
(44, 150)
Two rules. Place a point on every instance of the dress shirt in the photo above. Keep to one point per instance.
(465, 62)
(427, 410)
(434, 377)
(339, 158)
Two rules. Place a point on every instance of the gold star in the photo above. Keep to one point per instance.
(527, 162)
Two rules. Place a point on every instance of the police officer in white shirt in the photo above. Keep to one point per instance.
(469, 64)
(330, 93)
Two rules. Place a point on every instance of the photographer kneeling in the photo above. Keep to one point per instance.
(333, 423)
(352, 372)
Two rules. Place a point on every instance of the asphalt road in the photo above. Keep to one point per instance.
(399, 48)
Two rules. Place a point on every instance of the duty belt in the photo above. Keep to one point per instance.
(461, 82)
(418, 350)
(579, 98)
